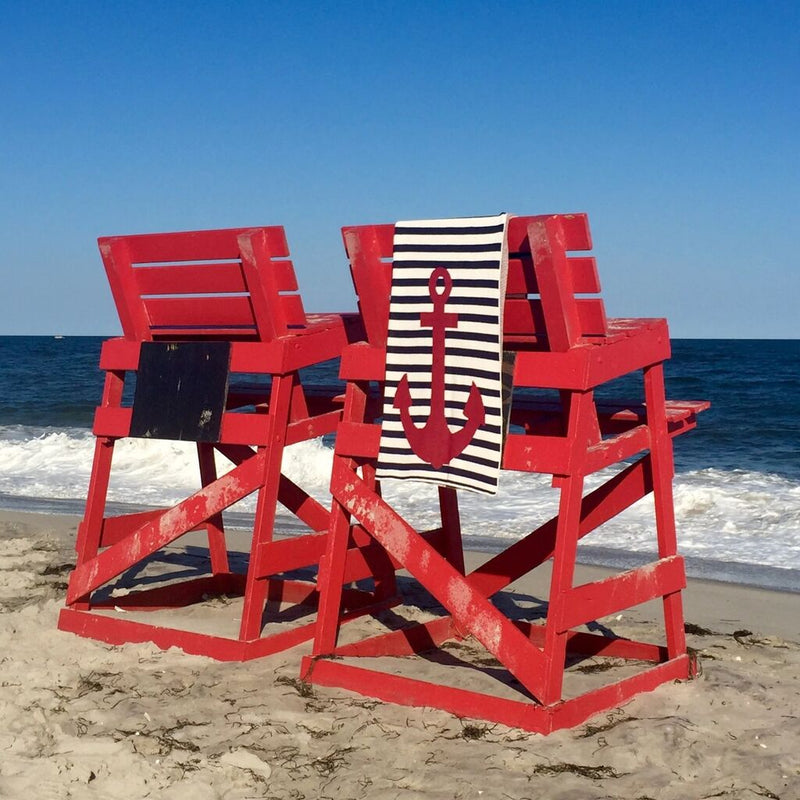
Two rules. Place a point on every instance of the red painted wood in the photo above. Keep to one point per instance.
(122, 631)
(470, 610)
(592, 601)
(363, 362)
(414, 692)
(318, 425)
(213, 277)
(214, 525)
(115, 529)
(408, 641)
(522, 277)
(213, 245)
(234, 285)
(536, 453)
(263, 284)
(204, 313)
(132, 314)
(564, 342)
(596, 644)
(575, 227)
(519, 714)
(597, 507)
(167, 527)
(366, 247)
(663, 470)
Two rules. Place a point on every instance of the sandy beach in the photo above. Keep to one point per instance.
(83, 719)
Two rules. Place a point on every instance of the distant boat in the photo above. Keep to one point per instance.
(58, 336)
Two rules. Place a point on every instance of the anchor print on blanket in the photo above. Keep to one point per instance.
(434, 442)
(442, 417)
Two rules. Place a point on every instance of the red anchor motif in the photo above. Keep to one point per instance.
(435, 443)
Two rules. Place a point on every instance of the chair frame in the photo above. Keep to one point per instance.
(564, 343)
(235, 286)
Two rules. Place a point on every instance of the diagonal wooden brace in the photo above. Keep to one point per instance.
(290, 495)
(166, 527)
(599, 506)
(471, 611)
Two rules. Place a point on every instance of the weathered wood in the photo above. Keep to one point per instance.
(198, 309)
(562, 342)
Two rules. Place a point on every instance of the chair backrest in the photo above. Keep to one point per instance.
(541, 307)
(235, 283)
(543, 281)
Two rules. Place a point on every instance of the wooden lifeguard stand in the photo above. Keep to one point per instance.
(200, 310)
(565, 344)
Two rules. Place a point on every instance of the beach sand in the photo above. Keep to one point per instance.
(82, 719)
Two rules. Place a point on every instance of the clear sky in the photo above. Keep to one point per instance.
(674, 125)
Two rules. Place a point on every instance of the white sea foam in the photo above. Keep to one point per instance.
(742, 516)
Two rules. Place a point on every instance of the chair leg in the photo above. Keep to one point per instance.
(384, 578)
(90, 530)
(451, 525)
(555, 645)
(331, 578)
(217, 546)
(661, 459)
(256, 584)
(581, 428)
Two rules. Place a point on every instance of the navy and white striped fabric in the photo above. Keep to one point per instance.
(468, 261)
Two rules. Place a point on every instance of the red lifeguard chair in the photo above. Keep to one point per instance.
(561, 343)
(200, 310)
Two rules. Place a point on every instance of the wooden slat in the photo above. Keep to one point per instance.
(358, 440)
(614, 449)
(365, 247)
(279, 274)
(522, 277)
(472, 613)
(517, 235)
(210, 278)
(585, 278)
(522, 316)
(180, 332)
(294, 553)
(273, 313)
(592, 316)
(543, 454)
(116, 260)
(292, 310)
(303, 430)
(190, 279)
(575, 226)
(592, 601)
(576, 231)
(203, 312)
(112, 421)
(119, 354)
(361, 362)
(115, 529)
(191, 245)
(384, 237)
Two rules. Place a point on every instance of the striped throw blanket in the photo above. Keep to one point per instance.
(443, 406)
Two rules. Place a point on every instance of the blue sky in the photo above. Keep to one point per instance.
(674, 125)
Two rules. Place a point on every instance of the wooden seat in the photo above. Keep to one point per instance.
(565, 351)
(199, 311)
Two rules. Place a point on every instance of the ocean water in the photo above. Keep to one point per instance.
(737, 483)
